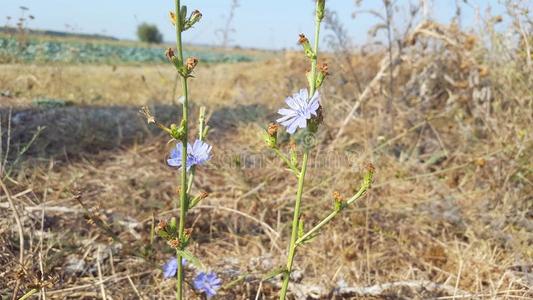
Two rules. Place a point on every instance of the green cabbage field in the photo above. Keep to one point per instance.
(35, 50)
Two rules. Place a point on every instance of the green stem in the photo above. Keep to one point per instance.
(301, 178)
(28, 294)
(183, 177)
(332, 215)
(314, 62)
(295, 222)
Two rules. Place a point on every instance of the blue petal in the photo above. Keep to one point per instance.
(302, 122)
(170, 268)
(291, 129)
(287, 112)
(291, 102)
(175, 152)
(302, 98)
(289, 121)
(285, 119)
(201, 152)
(316, 97)
(303, 94)
(174, 162)
(207, 283)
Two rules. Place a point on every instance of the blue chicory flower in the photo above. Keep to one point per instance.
(171, 267)
(208, 283)
(197, 154)
(300, 110)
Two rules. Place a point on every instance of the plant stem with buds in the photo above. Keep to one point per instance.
(301, 175)
(183, 177)
(362, 190)
(295, 225)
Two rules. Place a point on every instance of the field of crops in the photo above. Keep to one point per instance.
(75, 51)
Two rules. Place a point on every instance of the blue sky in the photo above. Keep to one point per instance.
(270, 24)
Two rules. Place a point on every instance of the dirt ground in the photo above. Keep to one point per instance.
(449, 213)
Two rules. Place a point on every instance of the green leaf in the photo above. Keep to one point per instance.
(274, 273)
(191, 258)
(163, 234)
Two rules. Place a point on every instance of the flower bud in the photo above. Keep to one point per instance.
(174, 243)
(369, 176)
(323, 72)
(187, 233)
(323, 68)
(172, 17)
(191, 63)
(303, 39)
(338, 201)
(177, 132)
(195, 17)
(307, 46)
(273, 129)
(271, 138)
(161, 226)
(169, 53)
(320, 9)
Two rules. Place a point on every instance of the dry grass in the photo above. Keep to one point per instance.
(449, 215)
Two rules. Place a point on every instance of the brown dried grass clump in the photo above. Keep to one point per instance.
(449, 213)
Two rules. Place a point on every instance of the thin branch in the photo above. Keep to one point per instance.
(385, 63)
(8, 142)
(17, 220)
(287, 161)
(362, 190)
(115, 279)
(98, 265)
(19, 228)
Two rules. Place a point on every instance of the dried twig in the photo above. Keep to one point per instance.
(3, 162)
(114, 278)
(19, 228)
(43, 205)
(135, 288)
(417, 285)
(100, 277)
(385, 65)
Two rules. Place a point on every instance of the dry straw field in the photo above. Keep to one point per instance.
(444, 116)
